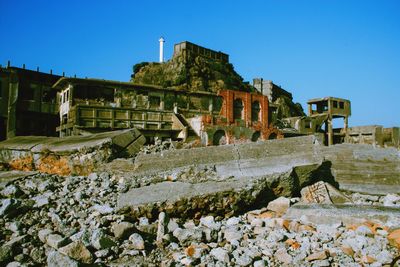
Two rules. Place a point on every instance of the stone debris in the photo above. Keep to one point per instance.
(188, 221)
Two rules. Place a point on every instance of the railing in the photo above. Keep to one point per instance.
(117, 118)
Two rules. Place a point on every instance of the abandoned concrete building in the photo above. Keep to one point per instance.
(28, 104)
(36, 103)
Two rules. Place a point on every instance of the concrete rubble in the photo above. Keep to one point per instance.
(235, 205)
(78, 155)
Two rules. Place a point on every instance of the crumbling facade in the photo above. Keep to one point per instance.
(188, 49)
(28, 103)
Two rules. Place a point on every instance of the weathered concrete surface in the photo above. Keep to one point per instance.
(224, 197)
(245, 174)
(70, 155)
(240, 160)
(365, 168)
(345, 213)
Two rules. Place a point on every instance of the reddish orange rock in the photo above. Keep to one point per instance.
(394, 238)
(348, 250)
(368, 259)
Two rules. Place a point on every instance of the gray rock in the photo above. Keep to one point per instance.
(122, 230)
(41, 200)
(11, 191)
(209, 222)
(56, 259)
(172, 225)
(259, 263)
(391, 200)
(363, 230)
(10, 207)
(43, 234)
(56, 241)
(101, 240)
(77, 251)
(102, 253)
(15, 264)
(103, 209)
(186, 236)
(136, 241)
(93, 176)
(233, 221)
(220, 254)
(233, 233)
(282, 256)
(161, 227)
(84, 235)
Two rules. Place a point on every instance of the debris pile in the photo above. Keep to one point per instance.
(50, 219)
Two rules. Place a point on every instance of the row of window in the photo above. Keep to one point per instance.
(238, 110)
(335, 104)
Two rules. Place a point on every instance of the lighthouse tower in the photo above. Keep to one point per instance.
(161, 40)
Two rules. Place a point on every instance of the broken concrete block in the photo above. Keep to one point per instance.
(70, 155)
(181, 199)
(323, 193)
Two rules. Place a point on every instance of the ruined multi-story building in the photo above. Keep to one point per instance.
(28, 104)
(91, 106)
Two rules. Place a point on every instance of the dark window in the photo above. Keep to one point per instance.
(154, 101)
(237, 109)
(341, 105)
(335, 104)
(307, 124)
(255, 111)
(26, 93)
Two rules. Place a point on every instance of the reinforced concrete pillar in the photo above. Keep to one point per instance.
(12, 107)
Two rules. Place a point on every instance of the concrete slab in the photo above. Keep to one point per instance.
(346, 213)
(183, 199)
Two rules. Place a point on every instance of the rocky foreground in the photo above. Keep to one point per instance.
(72, 221)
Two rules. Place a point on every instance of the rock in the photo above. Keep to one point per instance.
(122, 230)
(279, 205)
(11, 191)
(84, 235)
(56, 259)
(259, 263)
(161, 227)
(77, 251)
(220, 254)
(172, 225)
(38, 255)
(102, 253)
(15, 264)
(282, 256)
(188, 235)
(209, 222)
(363, 230)
(6, 253)
(233, 221)
(136, 241)
(43, 234)
(391, 200)
(367, 259)
(394, 238)
(100, 240)
(322, 255)
(194, 251)
(315, 193)
(10, 207)
(93, 176)
(41, 200)
(232, 233)
(103, 209)
(56, 241)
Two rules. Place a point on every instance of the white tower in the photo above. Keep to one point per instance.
(161, 40)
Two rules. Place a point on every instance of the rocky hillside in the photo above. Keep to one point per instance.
(194, 74)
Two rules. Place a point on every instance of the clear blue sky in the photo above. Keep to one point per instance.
(348, 49)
